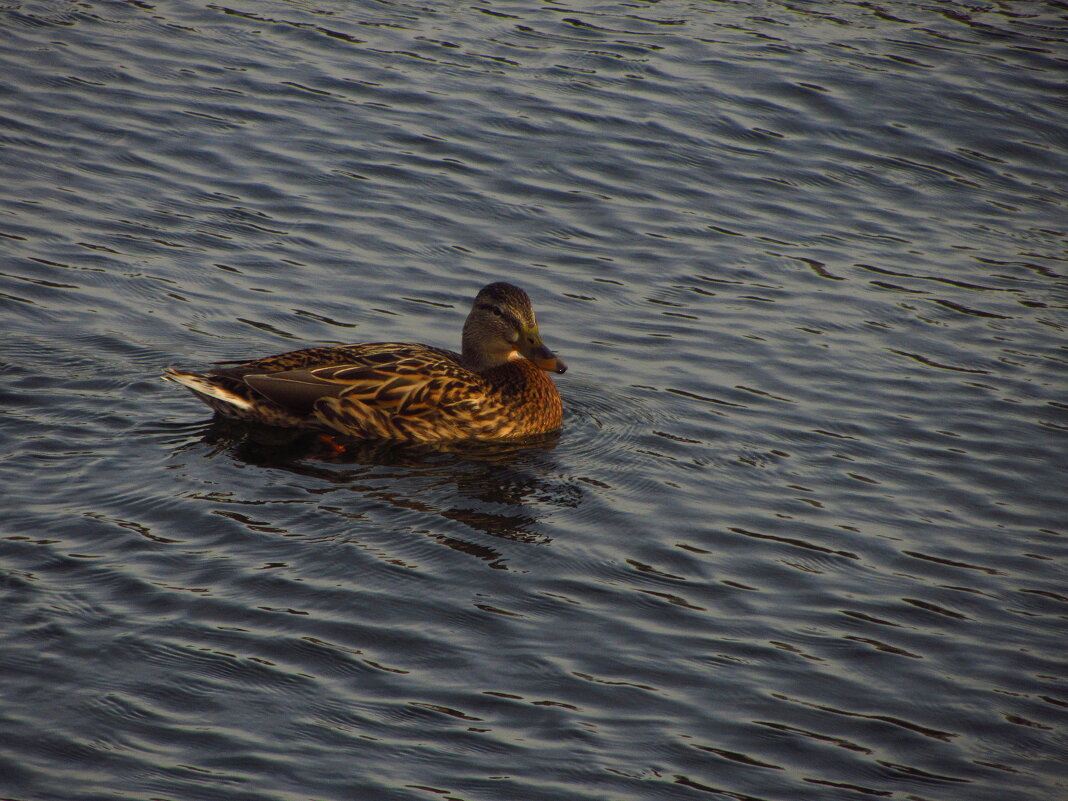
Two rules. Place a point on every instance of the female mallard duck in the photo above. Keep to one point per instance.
(496, 388)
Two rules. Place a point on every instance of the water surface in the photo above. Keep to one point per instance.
(802, 535)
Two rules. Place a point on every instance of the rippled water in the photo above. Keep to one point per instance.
(802, 535)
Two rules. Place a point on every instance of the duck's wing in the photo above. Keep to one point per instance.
(385, 390)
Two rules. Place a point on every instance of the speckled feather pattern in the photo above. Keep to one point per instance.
(383, 390)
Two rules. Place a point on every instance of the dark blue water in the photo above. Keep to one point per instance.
(803, 534)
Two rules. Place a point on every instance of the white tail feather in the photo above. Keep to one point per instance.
(204, 387)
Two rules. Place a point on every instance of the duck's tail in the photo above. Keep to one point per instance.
(204, 386)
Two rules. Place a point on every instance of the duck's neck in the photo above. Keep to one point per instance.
(481, 363)
(476, 358)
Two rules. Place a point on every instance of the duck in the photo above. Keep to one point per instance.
(497, 387)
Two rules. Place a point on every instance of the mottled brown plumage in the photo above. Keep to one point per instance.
(496, 388)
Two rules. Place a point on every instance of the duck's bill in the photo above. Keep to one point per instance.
(553, 365)
(548, 361)
(531, 346)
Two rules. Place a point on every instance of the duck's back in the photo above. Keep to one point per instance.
(368, 354)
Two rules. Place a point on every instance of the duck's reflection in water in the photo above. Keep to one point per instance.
(464, 482)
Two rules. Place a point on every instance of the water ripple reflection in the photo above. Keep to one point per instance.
(802, 534)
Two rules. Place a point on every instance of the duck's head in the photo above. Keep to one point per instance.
(501, 327)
